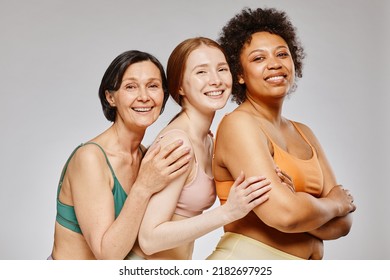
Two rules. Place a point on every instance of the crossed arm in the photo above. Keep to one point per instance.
(326, 217)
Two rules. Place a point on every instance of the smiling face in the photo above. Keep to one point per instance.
(207, 80)
(267, 66)
(140, 96)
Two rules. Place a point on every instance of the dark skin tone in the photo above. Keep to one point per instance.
(294, 222)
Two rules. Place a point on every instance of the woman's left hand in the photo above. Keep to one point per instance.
(246, 194)
(285, 179)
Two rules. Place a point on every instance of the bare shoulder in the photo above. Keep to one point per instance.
(89, 153)
(88, 172)
(237, 120)
(168, 136)
(88, 159)
(303, 127)
(308, 132)
(237, 116)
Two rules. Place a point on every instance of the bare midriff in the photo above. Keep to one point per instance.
(302, 245)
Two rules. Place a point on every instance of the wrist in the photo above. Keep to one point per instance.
(227, 216)
(336, 206)
(141, 191)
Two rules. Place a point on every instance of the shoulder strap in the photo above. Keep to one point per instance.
(271, 144)
(301, 132)
(105, 155)
(265, 133)
(304, 137)
(70, 157)
(64, 170)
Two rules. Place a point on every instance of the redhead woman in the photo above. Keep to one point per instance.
(199, 80)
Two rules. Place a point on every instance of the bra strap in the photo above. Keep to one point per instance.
(70, 157)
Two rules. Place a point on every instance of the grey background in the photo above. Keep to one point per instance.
(53, 55)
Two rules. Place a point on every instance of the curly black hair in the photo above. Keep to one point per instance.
(238, 32)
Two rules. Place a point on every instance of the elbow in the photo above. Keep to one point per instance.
(284, 222)
(288, 224)
(344, 229)
(345, 225)
(148, 250)
(147, 245)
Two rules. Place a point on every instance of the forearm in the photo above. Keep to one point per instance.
(119, 239)
(298, 212)
(335, 228)
(172, 234)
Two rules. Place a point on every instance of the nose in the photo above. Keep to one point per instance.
(214, 78)
(273, 63)
(143, 95)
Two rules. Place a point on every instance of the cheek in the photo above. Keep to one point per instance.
(254, 73)
(158, 97)
(228, 81)
(292, 71)
(290, 65)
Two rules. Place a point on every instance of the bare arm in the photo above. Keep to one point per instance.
(244, 147)
(159, 232)
(333, 229)
(339, 226)
(107, 237)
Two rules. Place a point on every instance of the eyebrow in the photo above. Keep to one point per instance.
(277, 48)
(206, 65)
(131, 79)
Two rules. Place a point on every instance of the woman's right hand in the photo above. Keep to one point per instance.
(160, 167)
(246, 194)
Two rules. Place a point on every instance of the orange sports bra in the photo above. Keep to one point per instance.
(198, 195)
(307, 174)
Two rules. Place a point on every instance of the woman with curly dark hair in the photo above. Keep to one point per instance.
(265, 57)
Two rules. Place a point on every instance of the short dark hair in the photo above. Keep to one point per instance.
(113, 76)
(238, 31)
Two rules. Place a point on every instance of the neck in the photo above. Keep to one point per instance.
(198, 123)
(270, 112)
(124, 139)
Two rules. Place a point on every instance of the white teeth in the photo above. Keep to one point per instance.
(275, 78)
(214, 93)
(142, 109)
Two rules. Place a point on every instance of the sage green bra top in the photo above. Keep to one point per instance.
(66, 215)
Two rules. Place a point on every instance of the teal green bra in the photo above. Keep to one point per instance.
(66, 215)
